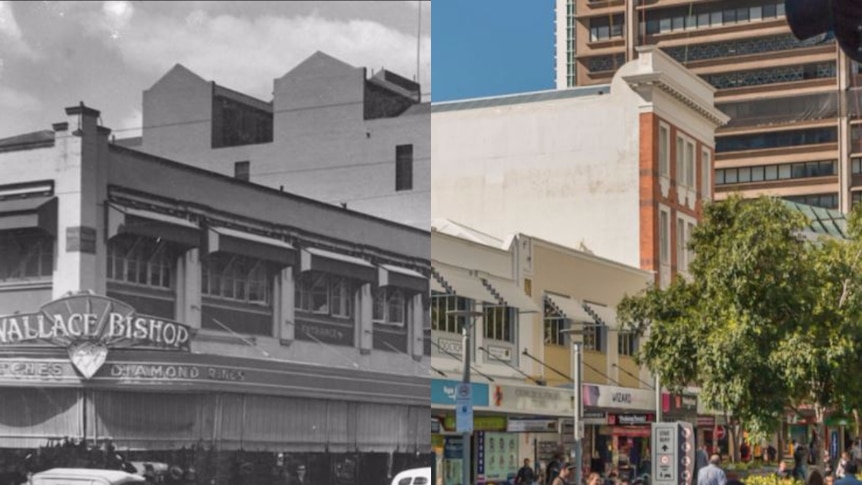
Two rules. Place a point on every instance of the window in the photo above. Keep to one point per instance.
(242, 170)
(404, 167)
(664, 150)
(856, 165)
(680, 161)
(25, 256)
(441, 305)
(778, 139)
(140, 261)
(627, 343)
(689, 164)
(555, 323)
(324, 294)
(705, 174)
(593, 337)
(782, 171)
(237, 278)
(389, 307)
(499, 323)
(827, 201)
(689, 252)
(680, 245)
(664, 236)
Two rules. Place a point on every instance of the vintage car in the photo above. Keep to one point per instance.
(414, 476)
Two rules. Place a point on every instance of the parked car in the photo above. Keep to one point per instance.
(414, 476)
(84, 476)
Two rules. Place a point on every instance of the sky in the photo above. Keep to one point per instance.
(56, 54)
(492, 47)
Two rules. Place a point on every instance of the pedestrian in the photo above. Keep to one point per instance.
(526, 475)
(771, 453)
(800, 461)
(712, 474)
(839, 470)
(565, 475)
(856, 451)
(850, 471)
(783, 472)
(815, 479)
(702, 457)
(594, 479)
(553, 468)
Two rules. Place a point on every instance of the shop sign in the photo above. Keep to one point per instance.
(612, 397)
(501, 353)
(445, 392)
(450, 346)
(517, 425)
(453, 448)
(88, 326)
(435, 426)
(533, 399)
(684, 403)
(706, 421)
(480, 423)
(630, 419)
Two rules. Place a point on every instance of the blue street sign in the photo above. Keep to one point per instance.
(464, 408)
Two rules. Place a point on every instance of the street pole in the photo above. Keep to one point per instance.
(579, 401)
(657, 397)
(467, 436)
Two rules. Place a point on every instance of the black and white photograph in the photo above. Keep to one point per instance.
(215, 242)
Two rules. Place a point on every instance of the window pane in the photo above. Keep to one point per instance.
(730, 176)
(771, 172)
(784, 171)
(756, 174)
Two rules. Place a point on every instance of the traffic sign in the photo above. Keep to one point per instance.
(464, 408)
(664, 446)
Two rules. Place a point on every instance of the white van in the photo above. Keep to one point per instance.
(414, 476)
(84, 476)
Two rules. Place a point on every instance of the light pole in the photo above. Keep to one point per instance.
(579, 402)
(466, 456)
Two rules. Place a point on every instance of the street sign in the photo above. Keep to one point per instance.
(665, 450)
(464, 408)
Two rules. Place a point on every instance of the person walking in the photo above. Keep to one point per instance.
(565, 475)
(850, 471)
(553, 469)
(800, 461)
(842, 464)
(712, 474)
(526, 475)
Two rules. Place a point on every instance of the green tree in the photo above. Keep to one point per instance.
(767, 321)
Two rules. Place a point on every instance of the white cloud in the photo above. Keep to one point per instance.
(11, 39)
(12, 99)
(130, 126)
(247, 54)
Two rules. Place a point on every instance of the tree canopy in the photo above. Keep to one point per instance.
(767, 320)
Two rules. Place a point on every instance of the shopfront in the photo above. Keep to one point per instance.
(447, 442)
(89, 369)
(623, 440)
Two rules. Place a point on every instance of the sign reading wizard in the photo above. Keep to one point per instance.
(88, 325)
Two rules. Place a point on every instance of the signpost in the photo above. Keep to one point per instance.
(664, 446)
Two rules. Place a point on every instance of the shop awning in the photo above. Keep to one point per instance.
(436, 286)
(465, 285)
(29, 213)
(127, 220)
(314, 259)
(222, 239)
(607, 315)
(398, 277)
(571, 309)
(510, 295)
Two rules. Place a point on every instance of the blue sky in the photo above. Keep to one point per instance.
(491, 47)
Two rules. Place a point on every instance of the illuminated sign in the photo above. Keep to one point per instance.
(87, 326)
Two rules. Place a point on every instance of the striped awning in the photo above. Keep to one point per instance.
(570, 308)
(508, 293)
(462, 283)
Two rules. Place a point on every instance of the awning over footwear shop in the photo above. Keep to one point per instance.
(139, 222)
(29, 213)
(314, 259)
(251, 245)
(398, 277)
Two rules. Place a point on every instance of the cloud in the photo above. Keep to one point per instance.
(248, 53)
(11, 39)
(130, 126)
(12, 99)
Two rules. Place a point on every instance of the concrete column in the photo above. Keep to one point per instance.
(81, 185)
(845, 176)
(416, 329)
(365, 323)
(284, 306)
(188, 309)
(613, 355)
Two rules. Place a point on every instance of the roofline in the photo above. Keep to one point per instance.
(265, 189)
(587, 256)
(514, 95)
(471, 243)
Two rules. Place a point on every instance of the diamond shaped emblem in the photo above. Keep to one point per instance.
(88, 357)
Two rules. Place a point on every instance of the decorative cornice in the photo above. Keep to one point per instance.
(641, 82)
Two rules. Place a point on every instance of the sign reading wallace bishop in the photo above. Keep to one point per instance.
(88, 325)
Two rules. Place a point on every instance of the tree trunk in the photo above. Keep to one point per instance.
(821, 437)
(856, 423)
